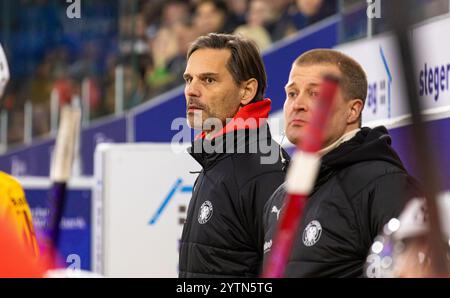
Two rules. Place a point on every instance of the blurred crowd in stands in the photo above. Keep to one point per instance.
(147, 38)
(164, 30)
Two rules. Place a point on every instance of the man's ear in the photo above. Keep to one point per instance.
(248, 91)
(355, 107)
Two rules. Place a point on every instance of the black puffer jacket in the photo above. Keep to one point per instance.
(361, 185)
(223, 235)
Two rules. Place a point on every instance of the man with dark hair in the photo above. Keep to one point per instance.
(361, 183)
(225, 85)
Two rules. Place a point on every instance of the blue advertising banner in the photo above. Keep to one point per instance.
(439, 142)
(110, 131)
(75, 241)
(35, 160)
(29, 161)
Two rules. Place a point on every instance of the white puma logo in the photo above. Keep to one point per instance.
(276, 210)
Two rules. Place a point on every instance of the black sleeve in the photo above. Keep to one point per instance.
(254, 196)
(388, 197)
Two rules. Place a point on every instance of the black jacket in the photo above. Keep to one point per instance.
(223, 235)
(361, 185)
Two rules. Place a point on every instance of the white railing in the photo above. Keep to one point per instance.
(28, 123)
(54, 111)
(3, 131)
(85, 102)
(119, 89)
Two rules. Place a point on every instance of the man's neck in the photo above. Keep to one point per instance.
(344, 138)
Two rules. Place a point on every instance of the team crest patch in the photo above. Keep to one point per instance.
(312, 233)
(205, 213)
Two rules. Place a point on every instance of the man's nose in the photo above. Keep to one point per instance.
(192, 89)
(301, 102)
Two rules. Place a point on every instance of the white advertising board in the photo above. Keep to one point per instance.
(386, 99)
(140, 200)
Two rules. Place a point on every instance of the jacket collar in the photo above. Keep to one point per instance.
(240, 132)
(258, 110)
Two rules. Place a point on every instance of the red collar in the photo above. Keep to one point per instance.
(258, 110)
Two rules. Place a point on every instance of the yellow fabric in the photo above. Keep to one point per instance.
(14, 205)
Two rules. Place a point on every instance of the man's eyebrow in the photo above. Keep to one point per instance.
(313, 84)
(309, 85)
(202, 75)
(289, 85)
(209, 74)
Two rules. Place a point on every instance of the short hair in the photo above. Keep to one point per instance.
(354, 79)
(245, 61)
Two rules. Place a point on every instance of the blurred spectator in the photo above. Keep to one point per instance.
(175, 12)
(15, 131)
(87, 64)
(212, 16)
(107, 106)
(168, 48)
(137, 87)
(279, 19)
(258, 15)
(164, 48)
(238, 10)
(287, 18)
(92, 94)
(311, 11)
(63, 86)
(133, 88)
(133, 34)
(152, 14)
(39, 94)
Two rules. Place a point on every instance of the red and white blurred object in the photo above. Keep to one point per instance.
(300, 179)
(402, 249)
